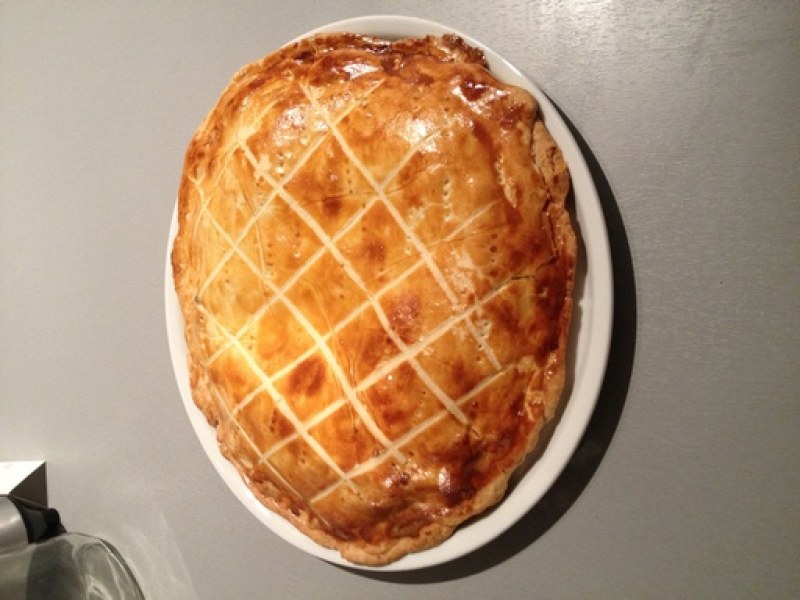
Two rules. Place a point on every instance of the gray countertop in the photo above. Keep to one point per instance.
(686, 484)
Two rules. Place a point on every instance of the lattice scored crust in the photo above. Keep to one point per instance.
(375, 266)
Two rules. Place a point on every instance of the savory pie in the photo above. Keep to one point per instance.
(375, 266)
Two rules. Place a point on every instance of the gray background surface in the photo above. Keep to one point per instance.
(687, 483)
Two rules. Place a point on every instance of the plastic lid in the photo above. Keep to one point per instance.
(23, 522)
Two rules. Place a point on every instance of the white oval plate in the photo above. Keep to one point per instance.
(589, 347)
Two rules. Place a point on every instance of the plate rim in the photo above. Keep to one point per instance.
(598, 295)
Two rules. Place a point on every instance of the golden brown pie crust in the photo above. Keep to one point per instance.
(375, 266)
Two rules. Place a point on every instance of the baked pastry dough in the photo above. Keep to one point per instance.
(375, 266)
